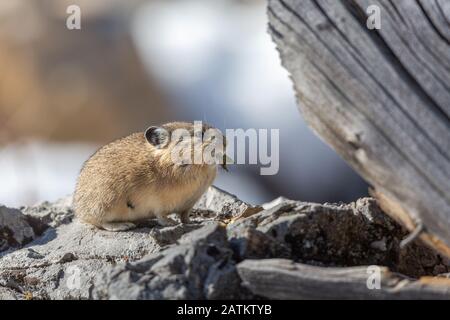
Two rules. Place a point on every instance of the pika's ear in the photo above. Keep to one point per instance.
(157, 136)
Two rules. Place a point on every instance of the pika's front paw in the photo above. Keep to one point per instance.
(184, 217)
(118, 226)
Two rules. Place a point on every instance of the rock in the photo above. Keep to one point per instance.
(8, 294)
(67, 252)
(16, 229)
(48, 254)
(225, 205)
(330, 235)
(52, 214)
(254, 244)
(199, 266)
(65, 260)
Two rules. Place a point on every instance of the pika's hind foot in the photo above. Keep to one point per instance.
(118, 226)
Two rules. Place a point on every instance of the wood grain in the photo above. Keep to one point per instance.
(284, 279)
(380, 98)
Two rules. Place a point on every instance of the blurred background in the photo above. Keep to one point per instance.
(135, 63)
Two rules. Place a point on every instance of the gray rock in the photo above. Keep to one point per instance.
(199, 266)
(331, 235)
(70, 259)
(48, 254)
(224, 205)
(45, 266)
(8, 294)
(15, 229)
(52, 214)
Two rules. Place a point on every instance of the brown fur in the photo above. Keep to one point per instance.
(130, 179)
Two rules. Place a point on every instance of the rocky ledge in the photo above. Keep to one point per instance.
(231, 250)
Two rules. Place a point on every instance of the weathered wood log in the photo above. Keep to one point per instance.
(284, 279)
(380, 98)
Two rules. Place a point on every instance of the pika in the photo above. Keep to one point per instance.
(135, 178)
